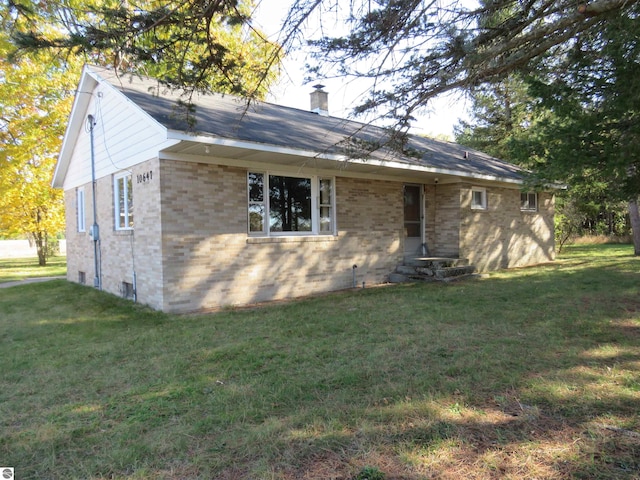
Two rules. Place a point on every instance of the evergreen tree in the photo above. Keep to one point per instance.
(591, 133)
(501, 112)
(195, 44)
(506, 122)
(417, 49)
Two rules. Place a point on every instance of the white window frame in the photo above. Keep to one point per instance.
(116, 200)
(331, 206)
(80, 210)
(259, 204)
(315, 205)
(483, 196)
(525, 201)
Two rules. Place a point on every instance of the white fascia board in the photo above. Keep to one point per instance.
(76, 118)
(439, 171)
(207, 140)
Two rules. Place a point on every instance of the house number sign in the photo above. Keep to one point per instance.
(145, 177)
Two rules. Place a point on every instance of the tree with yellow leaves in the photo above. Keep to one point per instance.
(37, 84)
(34, 105)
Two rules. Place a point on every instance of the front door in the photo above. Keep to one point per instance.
(412, 219)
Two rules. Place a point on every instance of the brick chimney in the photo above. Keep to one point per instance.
(319, 101)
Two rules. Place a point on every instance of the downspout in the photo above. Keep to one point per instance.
(95, 231)
(135, 288)
(133, 265)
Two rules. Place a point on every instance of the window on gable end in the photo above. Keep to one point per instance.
(528, 202)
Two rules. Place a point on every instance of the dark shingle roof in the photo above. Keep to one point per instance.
(261, 123)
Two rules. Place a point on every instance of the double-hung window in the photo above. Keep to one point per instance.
(123, 201)
(80, 209)
(289, 205)
(528, 201)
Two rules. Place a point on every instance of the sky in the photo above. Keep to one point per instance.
(291, 90)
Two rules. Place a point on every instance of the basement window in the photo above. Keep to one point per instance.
(529, 202)
(478, 198)
(82, 278)
(290, 205)
(127, 290)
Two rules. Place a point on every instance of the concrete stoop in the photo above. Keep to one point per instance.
(432, 269)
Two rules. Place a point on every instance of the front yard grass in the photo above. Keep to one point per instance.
(528, 373)
(13, 269)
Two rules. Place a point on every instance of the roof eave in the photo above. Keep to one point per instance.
(338, 158)
(87, 84)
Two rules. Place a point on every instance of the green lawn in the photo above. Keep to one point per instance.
(12, 269)
(528, 373)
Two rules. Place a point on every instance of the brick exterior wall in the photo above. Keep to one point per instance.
(210, 261)
(121, 252)
(191, 251)
(79, 244)
(442, 219)
(503, 236)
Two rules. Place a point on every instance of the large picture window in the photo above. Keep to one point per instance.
(123, 201)
(280, 204)
(289, 204)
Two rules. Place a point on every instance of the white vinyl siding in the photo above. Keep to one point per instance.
(123, 136)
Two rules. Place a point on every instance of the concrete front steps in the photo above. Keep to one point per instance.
(432, 269)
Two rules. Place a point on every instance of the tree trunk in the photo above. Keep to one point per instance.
(634, 215)
(40, 241)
